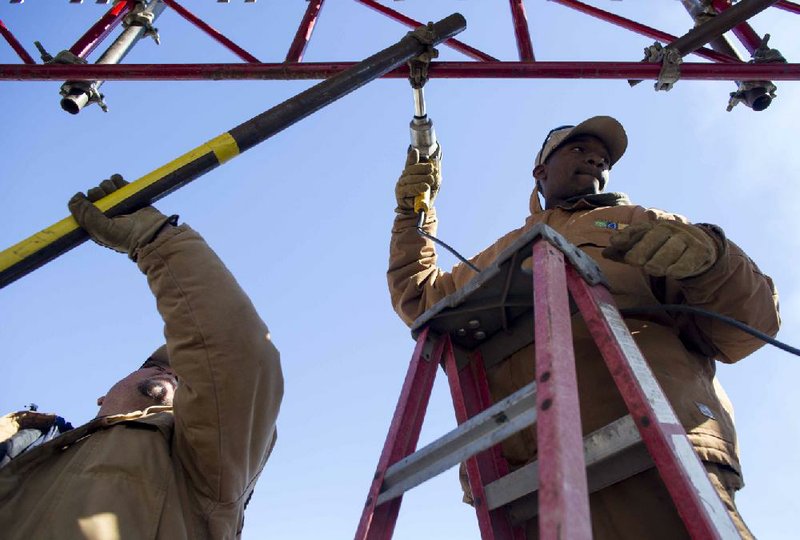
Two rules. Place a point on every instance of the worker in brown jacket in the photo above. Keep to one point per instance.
(177, 445)
(649, 258)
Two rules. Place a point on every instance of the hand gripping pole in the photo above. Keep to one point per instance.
(44, 246)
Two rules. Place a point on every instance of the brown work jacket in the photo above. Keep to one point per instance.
(181, 472)
(681, 349)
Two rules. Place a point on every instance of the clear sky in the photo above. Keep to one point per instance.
(303, 222)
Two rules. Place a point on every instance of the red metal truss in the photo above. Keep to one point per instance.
(722, 67)
(98, 32)
(445, 70)
(524, 45)
(20, 50)
(411, 23)
(199, 23)
(749, 38)
(304, 32)
(641, 29)
(789, 6)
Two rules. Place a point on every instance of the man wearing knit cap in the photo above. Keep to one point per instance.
(649, 258)
(178, 445)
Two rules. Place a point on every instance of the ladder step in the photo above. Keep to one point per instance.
(613, 453)
(480, 432)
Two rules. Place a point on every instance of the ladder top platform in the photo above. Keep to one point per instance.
(499, 298)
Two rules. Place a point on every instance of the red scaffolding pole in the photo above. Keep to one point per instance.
(205, 27)
(304, 31)
(98, 32)
(642, 29)
(445, 70)
(788, 6)
(408, 21)
(20, 50)
(524, 45)
(749, 38)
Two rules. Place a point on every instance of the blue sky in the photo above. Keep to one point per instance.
(303, 221)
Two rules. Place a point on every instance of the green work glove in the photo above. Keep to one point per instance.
(126, 233)
(417, 178)
(664, 248)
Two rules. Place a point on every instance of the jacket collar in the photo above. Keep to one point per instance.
(597, 200)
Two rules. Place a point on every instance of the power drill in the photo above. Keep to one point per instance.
(423, 138)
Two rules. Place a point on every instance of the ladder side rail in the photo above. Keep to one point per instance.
(378, 521)
(563, 492)
(469, 389)
(679, 466)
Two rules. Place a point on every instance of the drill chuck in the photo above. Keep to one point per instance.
(423, 137)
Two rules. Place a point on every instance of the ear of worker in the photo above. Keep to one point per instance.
(664, 248)
(418, 177)
(125, 233)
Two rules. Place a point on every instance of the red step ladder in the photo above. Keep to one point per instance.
(483, 323)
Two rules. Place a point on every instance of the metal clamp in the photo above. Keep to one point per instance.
(63, 57)
(670, 60)
(757, 95)
(418, 66)
(764, 55)
(144, 17)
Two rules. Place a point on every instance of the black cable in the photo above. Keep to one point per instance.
(654, 309)
(706, 313)
(448, 248)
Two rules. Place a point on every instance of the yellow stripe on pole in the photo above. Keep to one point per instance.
(224, 147)
(21, 250)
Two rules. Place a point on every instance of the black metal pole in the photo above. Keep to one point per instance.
(46, 245)
(719, 24)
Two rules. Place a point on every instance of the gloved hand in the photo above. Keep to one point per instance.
(417, 178)
(126, 233)
(664, 248)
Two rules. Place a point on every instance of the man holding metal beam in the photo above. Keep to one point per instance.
(178, 445)
(656, 263)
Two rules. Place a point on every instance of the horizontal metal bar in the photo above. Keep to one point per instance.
(443, 70)
(480, 432)
(598, 446)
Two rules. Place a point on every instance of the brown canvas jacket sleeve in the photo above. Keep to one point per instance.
(415, 280)
(230, 381)
(734, 287)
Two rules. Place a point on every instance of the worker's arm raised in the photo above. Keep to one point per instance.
(415, 281)
(229, 378)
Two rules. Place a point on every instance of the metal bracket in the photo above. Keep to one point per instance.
(670, 60)
(764, 55)
(144, 17)
(72, 88)
(757, 94)
(418, 66)
(63, 57)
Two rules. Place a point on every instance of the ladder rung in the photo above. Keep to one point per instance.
(619, 439)
(480, 432)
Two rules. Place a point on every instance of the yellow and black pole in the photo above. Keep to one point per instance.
(44, 246)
